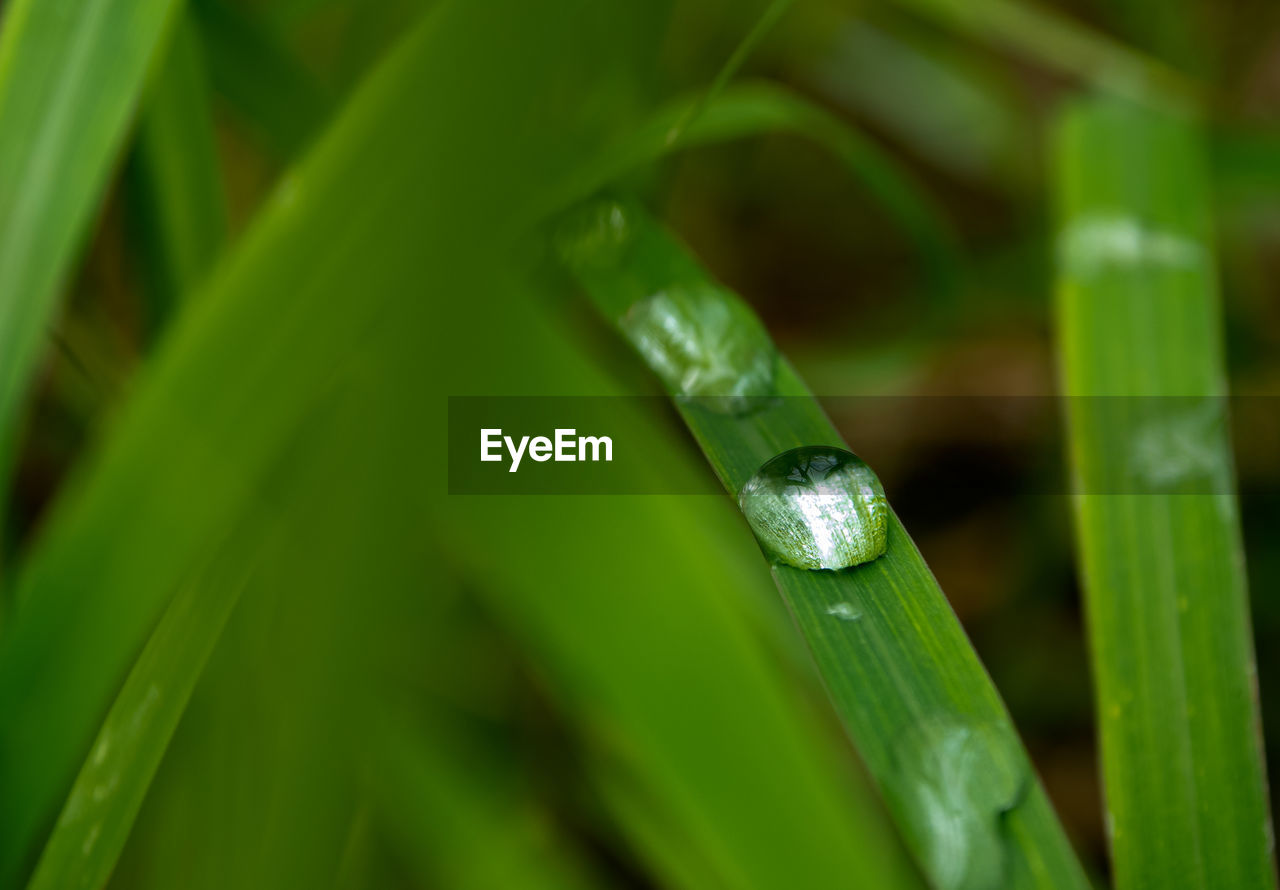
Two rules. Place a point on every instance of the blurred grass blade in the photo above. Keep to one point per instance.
(753, 109)
(177, 177)
(948, 103)
(456, 824)
(100, 810)
(1046, 38)
(262, 81)
(320, 278)
(1156, 513)
(900, 672)
(71, 72)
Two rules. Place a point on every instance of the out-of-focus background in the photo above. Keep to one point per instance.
(943, 288)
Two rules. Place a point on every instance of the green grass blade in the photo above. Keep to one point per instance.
(1046, 38)
(743, 110)
(177, 176)
(730, 759)
(320, 278)
(71, 73)
(99, 812)
(458, 827)
(1158, 524)
(912, 694)
(263, 83)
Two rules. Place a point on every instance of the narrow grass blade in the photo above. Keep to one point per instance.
(899, 670)
(99, 812)
(262, 82)
(743, 110)
(1156, 514)
(1046, 38)
(456, 825)
(177, 178)
(71, 73)
(648, 642)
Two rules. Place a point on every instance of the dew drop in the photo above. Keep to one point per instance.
(817, 507)
(700, 338)
(705, 345)
(957, 780)
(845, 612)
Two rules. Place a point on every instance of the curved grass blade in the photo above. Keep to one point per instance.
(745, 110)
(1156, 513)
(71, 72)
(177, 179)
(899, 670)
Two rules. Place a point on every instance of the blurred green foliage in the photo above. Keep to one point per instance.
(247, 249)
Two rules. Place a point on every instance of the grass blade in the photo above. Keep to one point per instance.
(261, 80)
(99, 812)
(1156, 515)
(70, 74)
(187, 456)
(899, 670)
(751, 109)
(177, 177)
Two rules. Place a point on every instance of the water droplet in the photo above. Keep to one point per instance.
(596, 235)
(1092, 244)
(1181, 446)
(702, 340)
(958, 780)
(705, 345)
(845, 612)
(817, 507)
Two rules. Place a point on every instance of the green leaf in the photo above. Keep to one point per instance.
(71, 72)
(1156, 514)
(321, 279)
(261, 80)
(99, 812)
(900, 673)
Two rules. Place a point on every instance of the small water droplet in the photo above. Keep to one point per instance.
(596, 235)
(817, 507)
(1093, 244)
(958, 779)
(702, 340)
(1181, 446)
(705, 345)
(845, 612)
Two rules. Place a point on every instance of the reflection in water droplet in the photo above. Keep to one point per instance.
(596, 236)
(704, 344)
(699, 337)
(1091, 245)
(957, 781)
(817, 507)
(845, 612)
(1183, 443)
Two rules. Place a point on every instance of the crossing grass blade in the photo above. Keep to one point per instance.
(315, 287)
(266, 87)
(899, 671)
(71, 73)
(1156, 514)
(743, 110)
